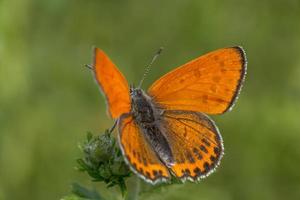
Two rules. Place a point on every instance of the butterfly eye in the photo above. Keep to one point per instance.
(130, 90)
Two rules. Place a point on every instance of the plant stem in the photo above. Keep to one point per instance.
(137, 188)
(133, 194)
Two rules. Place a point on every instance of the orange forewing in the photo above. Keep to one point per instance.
(138, 153)
(112, 83)
(207, 84)
(195, 142)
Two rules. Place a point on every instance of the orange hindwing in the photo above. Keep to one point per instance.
(196, 143)
(138, 152)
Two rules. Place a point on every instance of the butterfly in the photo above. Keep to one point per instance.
(165, 132)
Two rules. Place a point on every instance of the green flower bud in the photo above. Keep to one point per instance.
(103, 161)
(99, 149)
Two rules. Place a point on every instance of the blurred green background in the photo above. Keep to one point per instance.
(48, 100)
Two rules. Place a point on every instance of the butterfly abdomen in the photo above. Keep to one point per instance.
(146, 117)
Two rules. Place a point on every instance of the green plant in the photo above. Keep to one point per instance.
(103, 161)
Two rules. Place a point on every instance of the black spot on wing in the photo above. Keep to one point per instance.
(203, 149)
(186, 172)
(217, 150)
(197, 154)
(206, 167)
(212, 158)
(190, 157)
(204, 140)
(148, 174)
(197, 171)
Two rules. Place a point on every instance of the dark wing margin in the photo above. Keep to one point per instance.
(241, 80)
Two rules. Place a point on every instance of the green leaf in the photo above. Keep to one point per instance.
(123, 187)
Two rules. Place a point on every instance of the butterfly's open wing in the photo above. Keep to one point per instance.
(195, 142)
(138, 153)
(207, 84)
(112, 83)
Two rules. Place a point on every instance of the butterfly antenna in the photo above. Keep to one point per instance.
(149, 65)
(89, 67)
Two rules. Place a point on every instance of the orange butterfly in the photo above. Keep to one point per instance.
(165, 131)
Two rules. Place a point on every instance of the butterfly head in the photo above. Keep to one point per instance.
(136, 94)
(141, 106)
(137, 99)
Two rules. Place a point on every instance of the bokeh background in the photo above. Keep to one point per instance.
(48, 100)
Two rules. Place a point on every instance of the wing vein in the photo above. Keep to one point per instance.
(194, 128)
